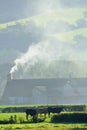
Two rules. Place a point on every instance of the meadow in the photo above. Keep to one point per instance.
(8, 121)
(44, 126)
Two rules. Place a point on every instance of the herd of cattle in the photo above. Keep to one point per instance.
(42, 110)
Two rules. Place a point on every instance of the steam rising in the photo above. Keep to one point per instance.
(44, 51)
(49, 48)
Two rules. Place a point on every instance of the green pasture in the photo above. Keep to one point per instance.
(43, 124)
(6, 116)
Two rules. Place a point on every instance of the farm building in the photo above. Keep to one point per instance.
(46, 91)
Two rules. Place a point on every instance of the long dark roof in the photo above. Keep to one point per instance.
(23, 87)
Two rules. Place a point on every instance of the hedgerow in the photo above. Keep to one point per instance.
(75, 117)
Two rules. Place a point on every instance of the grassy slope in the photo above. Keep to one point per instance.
(69, 36)
(69, 15)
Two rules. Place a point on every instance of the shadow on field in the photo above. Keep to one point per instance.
(32, 121)
(79, 129)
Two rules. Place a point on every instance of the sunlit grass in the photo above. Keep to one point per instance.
(44, 126)
(68, 15)
(6, 116)
(71, 16)
(69, 36)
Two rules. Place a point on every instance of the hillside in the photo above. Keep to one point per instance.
(67, 26)
(55, 31)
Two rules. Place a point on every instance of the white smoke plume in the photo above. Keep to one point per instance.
(43, 51)
(47, 50)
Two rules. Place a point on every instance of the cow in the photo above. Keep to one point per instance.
(54, 110)
(32, 112)
(42, 110)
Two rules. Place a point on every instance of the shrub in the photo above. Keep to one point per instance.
(11, 120)
(70, 118)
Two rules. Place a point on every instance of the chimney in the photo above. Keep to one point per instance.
(9, 77)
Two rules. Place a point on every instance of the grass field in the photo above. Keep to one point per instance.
(45, 125)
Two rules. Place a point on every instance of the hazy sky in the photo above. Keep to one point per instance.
(24, 6)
